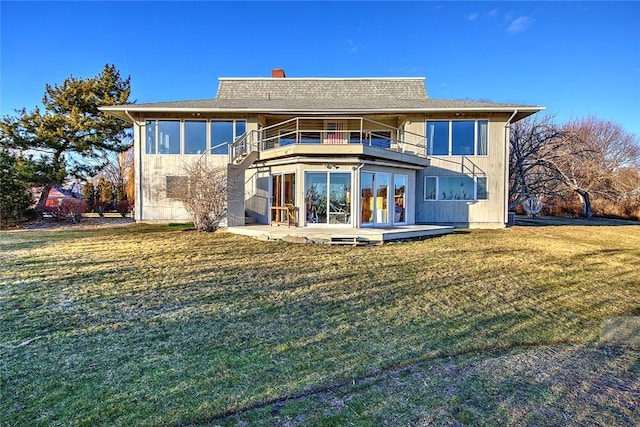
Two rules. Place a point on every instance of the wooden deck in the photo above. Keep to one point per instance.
(341, 235)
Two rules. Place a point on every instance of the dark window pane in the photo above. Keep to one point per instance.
(462, 137)
(381, 139)
(221, 136)
(169, 136)
(150, 137)
(430, 188)
(482, 188)
(438, 138)
(195, 137)
(241, 127)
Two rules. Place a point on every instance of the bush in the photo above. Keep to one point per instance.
(67, 209)
(124, 207)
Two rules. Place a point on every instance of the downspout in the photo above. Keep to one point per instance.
(505, 180)
(138, 170)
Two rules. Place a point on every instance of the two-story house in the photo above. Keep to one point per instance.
(339, 152)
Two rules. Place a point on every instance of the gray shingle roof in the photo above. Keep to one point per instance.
(321, 95)
(285, 88)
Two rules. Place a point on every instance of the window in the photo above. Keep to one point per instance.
(162, 136)
(327, 198)
(430, 187)
(457, 137)
(195, 137)
(168, 136)
(221, 136)
(438, 138)
(462, 138)
(461, 188)
(150, 132)
(481, 189)
(190, 136)
(287, 137)
(378, 138)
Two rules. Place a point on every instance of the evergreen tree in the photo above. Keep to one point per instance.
(70, 135)
(14, 197)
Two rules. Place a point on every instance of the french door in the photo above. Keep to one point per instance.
(327, 198)
(377, 206)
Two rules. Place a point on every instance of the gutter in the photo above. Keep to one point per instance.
(505, 210)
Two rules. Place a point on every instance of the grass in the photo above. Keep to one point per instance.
(151, 325)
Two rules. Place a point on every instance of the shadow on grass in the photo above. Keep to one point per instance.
(525, 221)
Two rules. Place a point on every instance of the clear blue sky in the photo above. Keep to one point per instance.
(575, 58)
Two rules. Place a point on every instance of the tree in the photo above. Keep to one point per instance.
(89, 193)
(70, 135)
(14, 197)
(592, 158)
(530, 141)
(203, 193)
(589, 157)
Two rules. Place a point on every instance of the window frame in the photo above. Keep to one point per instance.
(476, 143)
(154, 125)
(475, 189)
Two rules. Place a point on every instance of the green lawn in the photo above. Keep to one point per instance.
(151, 325)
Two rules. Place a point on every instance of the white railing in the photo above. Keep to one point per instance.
(312, 130)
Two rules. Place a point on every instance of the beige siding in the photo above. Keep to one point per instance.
(489, 213)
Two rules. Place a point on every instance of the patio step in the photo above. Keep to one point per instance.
(348, 240)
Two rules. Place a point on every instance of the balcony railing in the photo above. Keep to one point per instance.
(328, 130)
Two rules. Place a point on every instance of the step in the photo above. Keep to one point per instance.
(349, 240)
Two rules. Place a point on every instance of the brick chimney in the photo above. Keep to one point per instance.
(277, 73)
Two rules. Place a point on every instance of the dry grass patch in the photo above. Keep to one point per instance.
(149, 325)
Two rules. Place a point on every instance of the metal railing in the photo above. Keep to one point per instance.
(313, 130)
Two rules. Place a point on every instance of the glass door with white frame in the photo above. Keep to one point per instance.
(327, 198)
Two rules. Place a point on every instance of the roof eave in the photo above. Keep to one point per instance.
(121, 112)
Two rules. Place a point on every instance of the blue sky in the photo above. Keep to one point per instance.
(575, 58)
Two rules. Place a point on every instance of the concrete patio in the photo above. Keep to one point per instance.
(340, 235)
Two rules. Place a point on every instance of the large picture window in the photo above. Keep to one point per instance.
(190, 136)
(457, 137)
(461, 188)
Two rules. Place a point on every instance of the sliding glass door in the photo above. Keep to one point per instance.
(327, 198)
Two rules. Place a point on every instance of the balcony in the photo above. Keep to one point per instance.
(330, 136)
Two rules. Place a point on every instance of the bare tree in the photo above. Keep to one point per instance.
(530, 142)
(592, 159)
(204, 193)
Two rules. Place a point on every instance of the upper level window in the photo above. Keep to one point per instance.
(221, 136)
(224, 132)
(191, 136)
(168, 136)
(195, 136)
(163, 136)
(457, 137)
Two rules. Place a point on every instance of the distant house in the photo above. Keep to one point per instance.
(346, 152)
(57, 193)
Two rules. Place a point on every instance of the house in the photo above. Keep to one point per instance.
(339, 152)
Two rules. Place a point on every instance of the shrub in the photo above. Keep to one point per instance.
(67, 209)
(124, 207)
